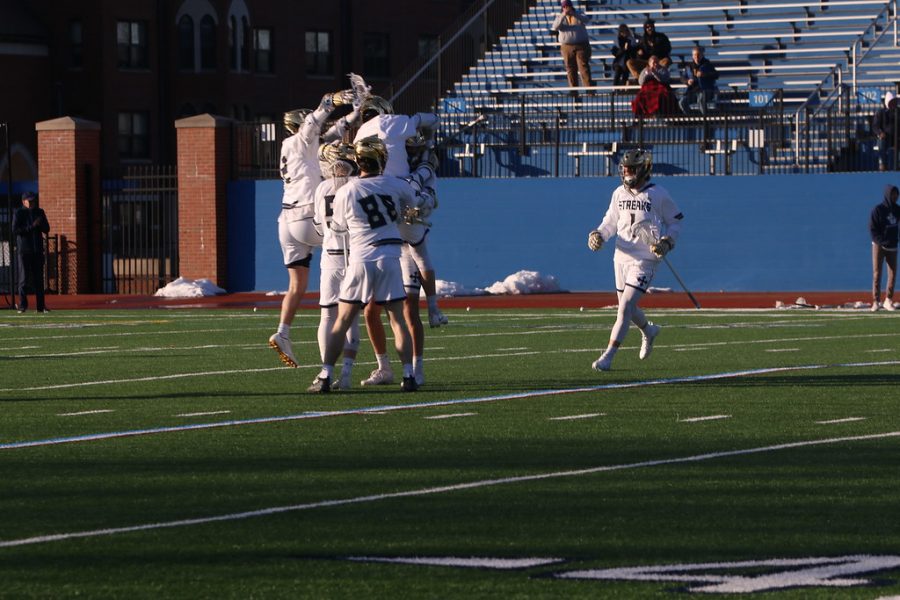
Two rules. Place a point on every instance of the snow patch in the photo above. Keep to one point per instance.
(522, 282)
(189, 288)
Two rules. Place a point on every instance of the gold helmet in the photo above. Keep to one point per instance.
(416, 144)
(332, 153)
(374, 106)
(371, 154)
(293, 119)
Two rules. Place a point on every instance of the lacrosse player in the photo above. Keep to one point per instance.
(337, 163)
(646, 222)
(301, 174)
(367, 208)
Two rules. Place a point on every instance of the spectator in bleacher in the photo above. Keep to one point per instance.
(700, 78)
(883, 227)
(623, 49)
(575, 44)
(652, 43)
(884, 126)
(656, 96)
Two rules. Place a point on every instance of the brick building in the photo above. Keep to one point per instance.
(135, 67)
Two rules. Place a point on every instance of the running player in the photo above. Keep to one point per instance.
(367, 208)
(635, 204)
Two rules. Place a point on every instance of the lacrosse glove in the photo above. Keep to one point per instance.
(595, 240)
(663, 246)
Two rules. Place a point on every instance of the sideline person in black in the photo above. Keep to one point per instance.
(29, 226)
(883, 227)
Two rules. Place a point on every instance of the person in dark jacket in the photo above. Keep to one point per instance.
(29, 226)
(884, 126)
(653, 43)
(624, 49)
(700, 78)
(883, 227)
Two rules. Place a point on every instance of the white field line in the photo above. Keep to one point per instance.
(835, 421)
(696, 349)
(86, 412)
(881, 350)
(451, 416)
(204, 414)
(484, 483)
(782, 350)
(574, 417)
(709, 418)
(436, 403)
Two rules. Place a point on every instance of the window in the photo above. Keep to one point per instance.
(207, 43)
(232, 43)
(131, 40)
(186, 43)
(245, 44)
(428, 47)
(134, 141)
(76, 35)
(318, 53)
(262, 50)
(375, 47)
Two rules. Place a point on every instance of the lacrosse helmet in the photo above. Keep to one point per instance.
(337, 155)
(371, 154)
(293, 119)
(641, 163)
(374, 106)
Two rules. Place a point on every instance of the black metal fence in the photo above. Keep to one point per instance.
(139, 229)
(256, 150)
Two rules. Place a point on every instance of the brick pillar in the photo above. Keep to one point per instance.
(204, 169)
(68, 184)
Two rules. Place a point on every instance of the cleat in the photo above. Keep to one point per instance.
(409, 384)
(43, 310)
(889, 304)
(343, 383)
(648, 334)
(437, 318)
(603, 363)
(322, 385)
(875, 307)
(379, 377)
(21, 311)
(282, 346)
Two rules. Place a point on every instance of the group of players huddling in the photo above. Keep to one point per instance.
(365, 204)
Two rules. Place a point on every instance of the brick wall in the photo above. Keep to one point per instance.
(204, 169)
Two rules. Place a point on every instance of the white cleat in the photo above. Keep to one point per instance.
(875, 307)
(603, 363)
(437, 318)
(648, 334)
(889, 304)
(282, 345)
(379, 377)
(343, 383)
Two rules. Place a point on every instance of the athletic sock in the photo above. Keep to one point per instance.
(284, 330)
(384, 362)
(347, 368)
(408, 370)
(432, 303)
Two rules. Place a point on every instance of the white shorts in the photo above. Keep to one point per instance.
(298, 239)
(380, 280)
(412, 277)
(634, 272)
(330, 281)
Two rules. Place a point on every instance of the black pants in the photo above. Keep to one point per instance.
(31, 270)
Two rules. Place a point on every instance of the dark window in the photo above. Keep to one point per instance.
(131, 40)
(375, 47)
(134, 141)
(428, 47)
(262, 50)
(207, 43)
(186, 43)
(76, 37)
(245, 44)
(319, 58)
(232, 43)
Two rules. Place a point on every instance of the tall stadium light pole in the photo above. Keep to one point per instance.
(9, 292)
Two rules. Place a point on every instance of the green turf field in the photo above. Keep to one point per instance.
(166, 453)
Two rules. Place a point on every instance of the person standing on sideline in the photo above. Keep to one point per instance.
(29, 226)
(574, 44)
(633, 203)
(883, 227)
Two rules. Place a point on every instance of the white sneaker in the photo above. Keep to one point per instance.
(604, 362)
(379, 377)
(889, 304)
(648, 334)
(875, 307)
(343, 383)
(437, 318)
(282, 346)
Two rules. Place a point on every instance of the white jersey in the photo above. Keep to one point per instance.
(394, 130)
(333, 244)
(300, 169)
(369, 207)
(652, 203)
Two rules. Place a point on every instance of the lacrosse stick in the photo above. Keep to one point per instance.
(360, 88)
(648, 232)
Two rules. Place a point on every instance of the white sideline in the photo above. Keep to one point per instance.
(56, 537)
(459, 401)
